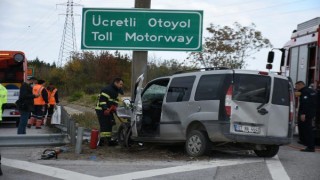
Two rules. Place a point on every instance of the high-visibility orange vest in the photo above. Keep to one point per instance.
(51, 95)
(37, 89)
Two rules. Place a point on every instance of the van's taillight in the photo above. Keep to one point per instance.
(15, 112)
(291, 112)
(228, 101)
(263, 73)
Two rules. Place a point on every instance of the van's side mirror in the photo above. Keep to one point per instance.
(283, 53)
(270, 56)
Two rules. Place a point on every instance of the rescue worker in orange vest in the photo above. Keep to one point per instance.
(106, 106)
(39, 104)
(53, 99)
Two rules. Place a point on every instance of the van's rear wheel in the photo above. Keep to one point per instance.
(197, 143)
(270, 151)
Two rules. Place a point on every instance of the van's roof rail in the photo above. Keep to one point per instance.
(206, 69)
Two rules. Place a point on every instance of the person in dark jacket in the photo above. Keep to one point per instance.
(306, 114)
(26, 105)
(106, 106)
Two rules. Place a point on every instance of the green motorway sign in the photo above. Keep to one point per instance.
(141, 29)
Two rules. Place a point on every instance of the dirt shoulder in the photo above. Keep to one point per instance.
(136, 152)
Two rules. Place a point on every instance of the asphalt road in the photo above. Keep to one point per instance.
(290, 163)
(156, 163)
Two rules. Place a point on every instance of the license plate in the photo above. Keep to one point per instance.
(246, 129)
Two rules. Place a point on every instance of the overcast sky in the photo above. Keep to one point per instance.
(36, 26)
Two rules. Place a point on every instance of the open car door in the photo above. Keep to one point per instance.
(137, 106)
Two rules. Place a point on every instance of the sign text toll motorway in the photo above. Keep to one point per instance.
(141, 29)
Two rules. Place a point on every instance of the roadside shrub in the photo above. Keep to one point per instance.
(87, 120)
(76, 96)
(87, 100)
(94, 98)
(93, 88)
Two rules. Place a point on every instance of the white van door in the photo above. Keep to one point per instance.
(250, 104)
(282, 108)
(137, 106)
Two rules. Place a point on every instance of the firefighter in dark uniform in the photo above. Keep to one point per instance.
(306, 114)
(106, 106)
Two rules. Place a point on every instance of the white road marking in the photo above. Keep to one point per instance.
(177, 169)
(276, 169)
(45, 170)
(274, 165)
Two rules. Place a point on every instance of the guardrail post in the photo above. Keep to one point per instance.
(72, 132)
(79, 140)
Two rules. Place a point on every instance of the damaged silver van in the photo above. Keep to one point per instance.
(248, 109)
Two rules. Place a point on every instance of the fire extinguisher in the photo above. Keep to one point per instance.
(94, 138)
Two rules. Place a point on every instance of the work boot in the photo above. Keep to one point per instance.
(102, 141)
(112, 142)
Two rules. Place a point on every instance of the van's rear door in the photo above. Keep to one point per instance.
(280, 123)
(250, 105)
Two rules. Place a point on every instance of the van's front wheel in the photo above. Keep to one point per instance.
(270, 151)
(124, 135)
(197, 143)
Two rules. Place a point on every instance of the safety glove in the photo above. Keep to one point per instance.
(113, 108)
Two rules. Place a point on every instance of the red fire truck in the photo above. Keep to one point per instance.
(301, 59)
(13, 72)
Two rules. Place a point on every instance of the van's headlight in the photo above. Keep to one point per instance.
(18, 57)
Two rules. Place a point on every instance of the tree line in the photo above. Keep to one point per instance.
(88, 72)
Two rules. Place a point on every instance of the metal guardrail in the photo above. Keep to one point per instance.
(75, 134)
(33, 140)
(68, 134)
(67, 126)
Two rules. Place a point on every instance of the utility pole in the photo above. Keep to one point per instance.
(139, 58)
